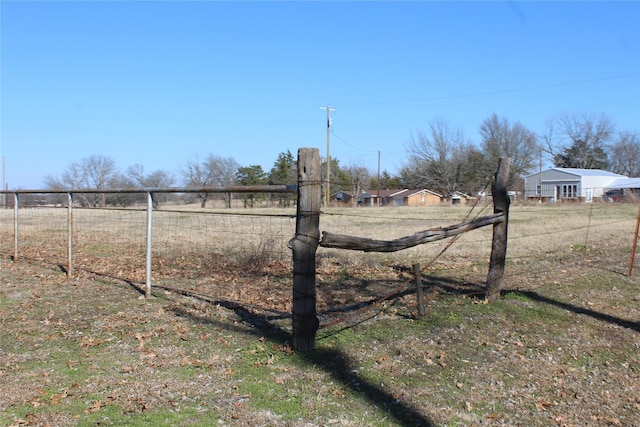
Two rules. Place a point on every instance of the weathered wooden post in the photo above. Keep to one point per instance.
(499, 244)
(304, 246)
(635, 244)
(419, 289)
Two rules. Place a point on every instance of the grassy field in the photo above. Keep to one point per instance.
(562, 346)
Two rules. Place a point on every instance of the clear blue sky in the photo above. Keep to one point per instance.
(156, 83)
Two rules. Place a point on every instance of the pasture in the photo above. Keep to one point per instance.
(210, 347)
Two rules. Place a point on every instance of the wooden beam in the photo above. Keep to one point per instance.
(330, 240)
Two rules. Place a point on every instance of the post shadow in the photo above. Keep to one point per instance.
(635, 326)
(332, 361)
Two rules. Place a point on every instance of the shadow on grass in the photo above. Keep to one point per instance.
(338, 365)
(333, 362)
(576, 309)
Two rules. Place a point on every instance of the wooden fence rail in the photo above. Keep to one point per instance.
(306, 241)
(307, 236)
(339, 241)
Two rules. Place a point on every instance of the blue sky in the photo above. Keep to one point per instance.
(157, 83)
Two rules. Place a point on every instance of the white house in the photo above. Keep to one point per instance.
(565, 184)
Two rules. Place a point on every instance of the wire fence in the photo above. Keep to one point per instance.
(242, 255)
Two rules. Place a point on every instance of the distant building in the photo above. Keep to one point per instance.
(342, 198)
(459, 198)
(422, 198)
(622, 189)
(569, 184)
(394, 197)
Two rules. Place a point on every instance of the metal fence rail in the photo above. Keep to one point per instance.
(72, 230)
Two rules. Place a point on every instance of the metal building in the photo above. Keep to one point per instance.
(568, 184)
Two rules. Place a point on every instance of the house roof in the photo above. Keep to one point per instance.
(414, 192)
(388, 193)
(458, 194)
(582, 172)
(624, 183)
(588, 172)
(385, 193)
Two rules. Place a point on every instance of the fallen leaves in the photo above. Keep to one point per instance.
(88, 342)
(138, 336)
(95, 407)
(543, 405)
(56, 398)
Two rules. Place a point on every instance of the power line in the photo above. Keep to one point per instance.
(497, 92)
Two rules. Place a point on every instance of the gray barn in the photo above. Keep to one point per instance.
(568, 184)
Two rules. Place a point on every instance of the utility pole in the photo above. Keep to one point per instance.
(327, 188)
(378, 178)
(4, 182)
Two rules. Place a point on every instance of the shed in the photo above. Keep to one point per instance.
(568, 184)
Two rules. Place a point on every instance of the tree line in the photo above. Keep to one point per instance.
(440, 159)
(443, 160)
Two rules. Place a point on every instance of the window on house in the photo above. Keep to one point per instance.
(569, 191)
(538, 190)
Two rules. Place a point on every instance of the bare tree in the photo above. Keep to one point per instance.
(501, 139)
(437, 159)
(223, 172)
(91, 173)
(582, 141)
(120, 180)
(213, 171)
(156, 179)
(359, 176)
(625, 154)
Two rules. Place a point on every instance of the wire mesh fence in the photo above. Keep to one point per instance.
(242, 254)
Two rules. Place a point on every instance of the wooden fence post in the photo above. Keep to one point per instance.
(499, 244)
(635, 243)
(304, 246)
(419, 289)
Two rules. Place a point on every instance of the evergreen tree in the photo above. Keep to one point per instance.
(251, 175)
(284, 172)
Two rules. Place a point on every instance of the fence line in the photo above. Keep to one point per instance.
(153, 232)
(71, 216)
(307, 240)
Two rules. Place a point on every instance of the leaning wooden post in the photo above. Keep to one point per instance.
(304, 245)
(499, 244)
(635, 243)
(419, 289)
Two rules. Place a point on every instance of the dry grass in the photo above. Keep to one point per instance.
(560, 348)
